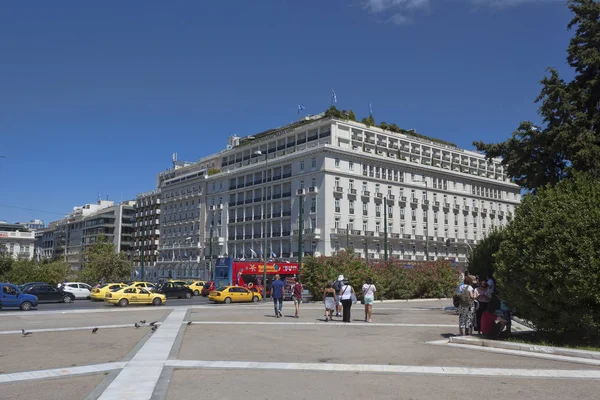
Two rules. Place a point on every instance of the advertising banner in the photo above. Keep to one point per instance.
(257, 268)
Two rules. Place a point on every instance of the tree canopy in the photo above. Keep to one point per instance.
(569, 139)
(51, 272)
(481, 259)
(6, 261)
(103, 263)
(548, 265)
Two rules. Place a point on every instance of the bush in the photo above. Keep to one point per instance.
(394, 280)
(481, 260)
(548, 266)
(32, 271)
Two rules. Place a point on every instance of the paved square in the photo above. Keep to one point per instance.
(229, 351)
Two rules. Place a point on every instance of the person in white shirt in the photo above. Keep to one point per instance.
(368, 291)
(346, 292)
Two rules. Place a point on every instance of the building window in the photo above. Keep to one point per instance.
(337, 163)
(337, 205)
(337, 223)
(313, 162)
(313, 205)
(402, 213)
(377, 227)
(302, 165)
(337, 182)
(351, 184)
(351, 165)
(351, 207)
(365, 226)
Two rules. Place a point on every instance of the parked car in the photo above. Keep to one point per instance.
(50, 294)
(147, 285)
(134, 295)
(12, 296)
(174, 289)
(208, 287)
(79, 289)
(23, 286)
(233, 294)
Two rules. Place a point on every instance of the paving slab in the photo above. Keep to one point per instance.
(40, 321)
(341, 344)
(294, 385)
(47, 350)
(67, 388)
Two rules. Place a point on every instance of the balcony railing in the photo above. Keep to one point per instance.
(338, 189)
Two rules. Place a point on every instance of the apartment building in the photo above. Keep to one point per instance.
(17, 240)
(147, 233)
(68, 237)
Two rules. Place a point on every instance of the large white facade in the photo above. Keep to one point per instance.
(17, 241)
(344, 172)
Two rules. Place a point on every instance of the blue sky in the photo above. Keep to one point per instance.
(96, 96)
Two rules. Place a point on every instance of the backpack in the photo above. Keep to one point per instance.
(337, 285)
(466, 300)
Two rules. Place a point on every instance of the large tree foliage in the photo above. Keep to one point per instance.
(33, 271)
(6, 261)
(548, 266)
(103, 263)
(481, 259)
(570, 137)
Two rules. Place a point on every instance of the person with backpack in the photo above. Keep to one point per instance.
(466, 307)
(337, 285)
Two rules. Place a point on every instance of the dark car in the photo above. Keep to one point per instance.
(49, 294)
(208, 287)
(26, 285)
(174, 289)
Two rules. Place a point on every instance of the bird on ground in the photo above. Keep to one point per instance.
(154, 328)
(189, 323)
(136, 325)
(153, 323)
(25, 333)
(143, 321)
(94, 330)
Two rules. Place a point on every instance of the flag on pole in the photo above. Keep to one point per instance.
(333, 96)
(253, 253)
(301, 107)
(370, 109)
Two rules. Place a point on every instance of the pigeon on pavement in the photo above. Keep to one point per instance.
(136, 325)
(143, 321)
(94, 330)
(154, 328)
(153, 323)
(25, 333)
(189, 323)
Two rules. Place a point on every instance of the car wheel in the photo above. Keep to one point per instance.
(196, 293)
(26, 306)
(188, 295)
(227, 300)
(67, 299)
(157, 301)
(123, 302)
(254, 299)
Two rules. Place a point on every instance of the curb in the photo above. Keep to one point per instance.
(558, 351)
(411, 300)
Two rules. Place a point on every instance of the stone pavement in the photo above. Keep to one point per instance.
(239, 350)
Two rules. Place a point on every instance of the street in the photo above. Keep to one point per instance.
(225, 350)
(85, 304)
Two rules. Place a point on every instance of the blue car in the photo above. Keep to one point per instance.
(12, 297)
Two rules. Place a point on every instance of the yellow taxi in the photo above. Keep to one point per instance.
(197, 286)
(147, 285)
(100, 292)
(233, 294)
(134, 295)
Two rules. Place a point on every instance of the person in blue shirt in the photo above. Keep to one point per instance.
(277, 288)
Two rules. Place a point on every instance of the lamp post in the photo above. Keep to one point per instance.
(385, 230)
(264, 292)
(424, 181)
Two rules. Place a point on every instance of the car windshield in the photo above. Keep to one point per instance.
(221, 289)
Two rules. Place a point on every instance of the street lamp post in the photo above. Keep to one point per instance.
(424, 181)
(264, 292)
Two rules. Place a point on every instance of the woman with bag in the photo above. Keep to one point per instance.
(347, 296)
(330, 300)
(466, 307)
(368, 291)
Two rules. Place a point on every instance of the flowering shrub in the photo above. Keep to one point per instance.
(394, 279)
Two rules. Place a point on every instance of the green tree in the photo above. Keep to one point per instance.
(103, 263)
(351, 116)
(33, 271)
(481, 259)
(6, 261)
(570, 138)
(548, 266)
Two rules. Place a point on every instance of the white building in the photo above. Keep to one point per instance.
(147, 233)
(344, 172)
(17, 240)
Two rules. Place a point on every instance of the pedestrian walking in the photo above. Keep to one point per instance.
(466, 307)
(368, 291)
(277, 288)
(346, 296)
(337, 285)
(330, 299)
(297, 295)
